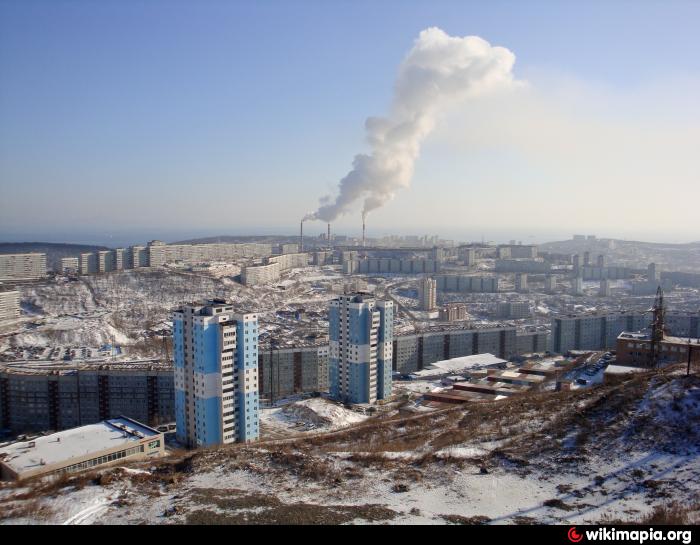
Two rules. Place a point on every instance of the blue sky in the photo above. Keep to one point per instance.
(121, 119)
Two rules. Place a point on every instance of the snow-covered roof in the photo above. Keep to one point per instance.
(74, 443)
(458, 365)
(623, 369)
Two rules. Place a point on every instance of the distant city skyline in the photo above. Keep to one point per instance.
(173, 120)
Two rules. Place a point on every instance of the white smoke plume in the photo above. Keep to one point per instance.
(439, 70)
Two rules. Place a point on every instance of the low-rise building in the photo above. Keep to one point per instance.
(96, 445)
(459, 366)
(634, 349)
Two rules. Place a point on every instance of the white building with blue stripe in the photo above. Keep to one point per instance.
(361, 331)
(216, 374)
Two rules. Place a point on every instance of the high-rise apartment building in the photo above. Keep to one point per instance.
(70, 265)
(216, 374)
(428, 294)
(453, 312)
(550, 284)
(521, 282)
(513, 309)
(89, 263)
(361, 331)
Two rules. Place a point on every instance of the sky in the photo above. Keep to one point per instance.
(126, 121)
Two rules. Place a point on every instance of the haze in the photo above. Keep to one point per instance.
(130, 122)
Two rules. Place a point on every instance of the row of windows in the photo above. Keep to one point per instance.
(107, 458)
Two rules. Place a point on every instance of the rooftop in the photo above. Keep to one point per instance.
(74, 443)
(645, 336)
(623, 369)
(457, 365)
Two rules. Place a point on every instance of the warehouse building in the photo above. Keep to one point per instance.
(96, 445)
(459, 366)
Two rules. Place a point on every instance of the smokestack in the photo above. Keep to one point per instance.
(301, 236)
(363, 230)
(438, 71)
(329, 235)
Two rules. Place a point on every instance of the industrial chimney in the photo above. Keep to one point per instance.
(329, 235)
(301, 236)
(363, 230)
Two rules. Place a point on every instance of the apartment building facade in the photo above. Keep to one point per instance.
(385, 265)
(361, 331)
(287, 371)
(467, 284)
(428, 294)
(594, 331)
(216, 374)
(9, 305)
(40, 400)
(19, 267)
(412, 353)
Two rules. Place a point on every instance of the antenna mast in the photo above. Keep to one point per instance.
(657, 327)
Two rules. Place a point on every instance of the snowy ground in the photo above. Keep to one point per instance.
(612, 452)
(128, 308)
(417, 386)
(314, 414)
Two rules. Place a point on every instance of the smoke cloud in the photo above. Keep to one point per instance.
(439, 70)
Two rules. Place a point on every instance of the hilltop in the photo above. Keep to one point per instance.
(620, 451)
